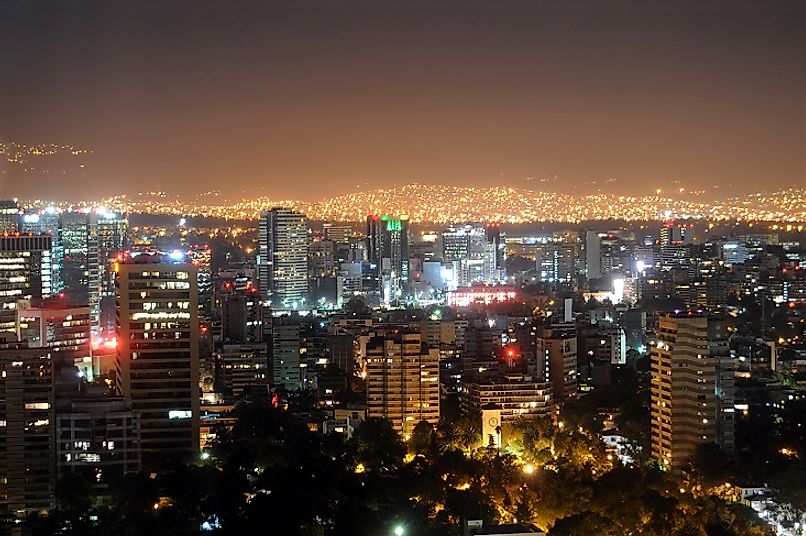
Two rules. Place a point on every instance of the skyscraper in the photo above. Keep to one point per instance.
(25, 273)
(283, 258)
(27, 442)
(556, 349)
(158, 353)
(78, 236)
(402, 380)
(388, 251)
(285, 353)
(9, 216)
(111, 231)
(684, 405)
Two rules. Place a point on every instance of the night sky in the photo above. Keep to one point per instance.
(304, 99)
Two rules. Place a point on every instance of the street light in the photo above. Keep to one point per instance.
(399, 530)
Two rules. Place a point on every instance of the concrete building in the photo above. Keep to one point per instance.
(27, 468)
(9, 216)
(158, 353)
(25, 273)
(683, 392)
(402, 380)
(283, 258)
(517, 396)
(286, 362)
(557, 348)
(241, 368)
(100, 434)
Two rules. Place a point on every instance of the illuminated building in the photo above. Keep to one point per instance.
(481, 295)
(676, 232)
(556, 347)
(719, 348)
(158, 353)
(111, 232)
(283, 258)
(556, 263)
(593, 255)
(202, 258)
(100, 434)
(473, 256)
(25, 274)
(41, 222)
(9, 216)
(734, 252)
(388, 252)
(402, 380)
(683, 393)
(516, 395)
(27, 471)
(338, 232)
(241, 368)
(285, 353)
(62, 328)
(78, 238)
(498, 239)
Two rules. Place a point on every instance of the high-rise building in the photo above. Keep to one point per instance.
(158, 353)
(25, 274)
(388, 251)
(100, 434)
(78, 236)
(402, 380)
(283, 258)
(593, 254)
(65, 330)
(286, 364)
(9, 216)
(515, 396)
(474, 257)
(111, 232)
(27, 468)
(556, 349)
(684, 404)
(241, 368)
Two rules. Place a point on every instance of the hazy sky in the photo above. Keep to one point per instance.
(307, 99)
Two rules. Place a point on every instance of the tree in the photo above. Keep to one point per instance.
(376, 445)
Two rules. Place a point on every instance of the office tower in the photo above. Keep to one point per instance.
(478, 354)
(497, 238)
(472, 255)
(402, 380)
(725, 388)
(25, 273)
(285, 355)
(556, 349)
(100, 434)
(111, 231)
(79, 270)
(65, 331)
(388, 250)
(27, 471)
(158, 353)
(556, 263)
(593, 254)
(283, 258)
(241, 369)
(9, 216)
(44, 221)
(684, 405)
(338, 232)
(676, 232)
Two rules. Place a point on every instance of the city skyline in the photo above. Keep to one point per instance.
(306, 101)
